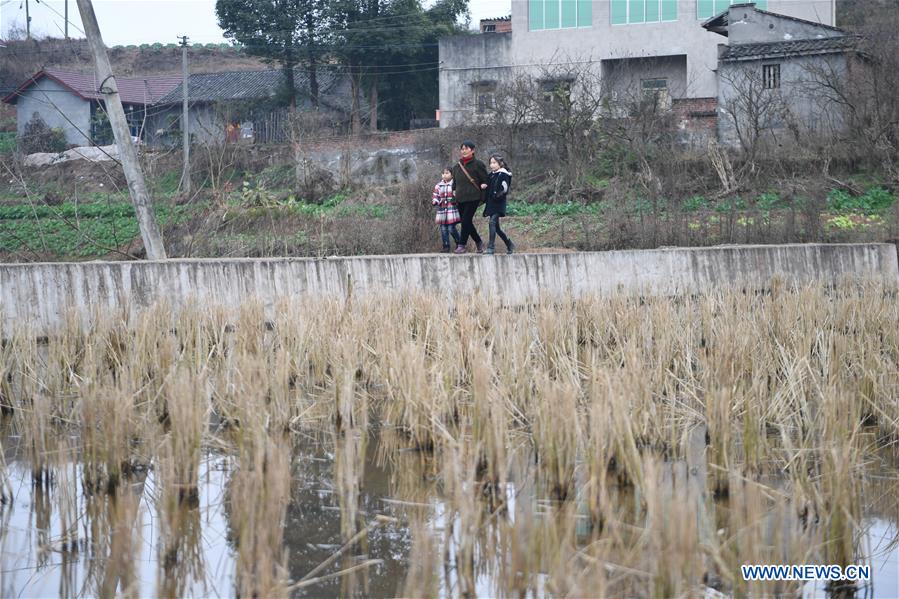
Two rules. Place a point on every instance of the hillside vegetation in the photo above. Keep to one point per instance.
(22, 58)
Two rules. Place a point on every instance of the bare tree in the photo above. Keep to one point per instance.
(864, 86)
(754, 107)
(570, 99)
(562, 100)
(641, 120)
(512, 111)
(582, 113)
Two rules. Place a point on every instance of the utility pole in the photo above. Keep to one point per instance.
(67, 19)
(137, 187)
(185, 120)
(27, 20)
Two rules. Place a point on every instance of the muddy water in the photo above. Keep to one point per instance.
(39, 558)
(35, 562)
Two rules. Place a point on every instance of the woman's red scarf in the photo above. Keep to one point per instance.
(467, 160)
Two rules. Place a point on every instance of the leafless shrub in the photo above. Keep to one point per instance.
(865, 86)
(212, 165)
(407, 227)
(311, 181)
(564, 100)
(753, 110)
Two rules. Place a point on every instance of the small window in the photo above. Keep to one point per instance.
(655, 93)
(489, 28)
(771, 76)
(556, 91)
(485, 97)
(654, 85)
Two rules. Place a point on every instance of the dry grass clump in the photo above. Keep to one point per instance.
(622, 446)
(259, 493)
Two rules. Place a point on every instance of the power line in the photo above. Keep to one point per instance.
(380, 70)
(244, 48)
(57, 13)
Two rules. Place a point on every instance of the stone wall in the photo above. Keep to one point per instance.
(40, 295)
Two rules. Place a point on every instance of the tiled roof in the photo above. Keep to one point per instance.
(241, 85)
(132, 90)
(825, 45)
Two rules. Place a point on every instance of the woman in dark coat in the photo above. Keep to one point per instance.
(498, 185)
(469, 181)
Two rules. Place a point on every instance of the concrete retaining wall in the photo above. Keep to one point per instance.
(41, 294)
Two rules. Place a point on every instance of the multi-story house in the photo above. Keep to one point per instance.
(660, 45)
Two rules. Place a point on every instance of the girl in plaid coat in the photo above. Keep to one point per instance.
(447, 210)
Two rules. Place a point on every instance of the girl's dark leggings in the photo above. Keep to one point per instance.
(496, 230)
(467, 210)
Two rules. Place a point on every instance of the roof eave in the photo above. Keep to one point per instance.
(769, 55)
(14, 96)
(716, 24)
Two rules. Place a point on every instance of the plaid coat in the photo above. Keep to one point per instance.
(447, 211)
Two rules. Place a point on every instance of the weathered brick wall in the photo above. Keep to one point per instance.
(697, 120)
(501, 25)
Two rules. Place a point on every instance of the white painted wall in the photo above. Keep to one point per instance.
(59, 108)
(527, 51)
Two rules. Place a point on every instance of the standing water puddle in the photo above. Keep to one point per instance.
(40, 560)
(389, 447)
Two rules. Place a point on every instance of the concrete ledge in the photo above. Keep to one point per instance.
(40, 294)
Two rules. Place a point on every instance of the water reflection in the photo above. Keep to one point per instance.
(147, 540)
(393, 530)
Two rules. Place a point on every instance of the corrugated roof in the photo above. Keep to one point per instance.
(132, 90)
(242, 85)
(789, 48)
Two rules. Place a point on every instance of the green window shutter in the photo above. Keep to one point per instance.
(652, 11)
(705, 8)
(569, 13)
(636, 11)
(584, 13)
(619, 12)
(535, 15)
(669, 10)
(551, 14)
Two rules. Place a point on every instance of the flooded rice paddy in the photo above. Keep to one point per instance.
(391, 446)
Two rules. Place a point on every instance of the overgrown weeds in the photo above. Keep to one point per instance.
(628, 446)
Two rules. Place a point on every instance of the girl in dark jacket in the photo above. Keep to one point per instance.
(499, 182)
